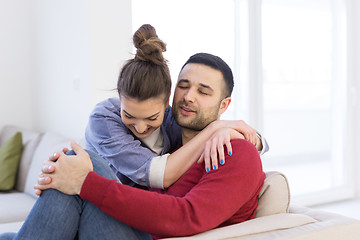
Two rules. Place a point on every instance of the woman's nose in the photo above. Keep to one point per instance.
(140, 127)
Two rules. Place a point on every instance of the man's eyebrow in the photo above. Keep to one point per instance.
(183, 81)
(154, 115)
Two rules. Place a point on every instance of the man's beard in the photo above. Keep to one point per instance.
(198, 123)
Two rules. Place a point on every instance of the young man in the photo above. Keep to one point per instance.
(197, 202)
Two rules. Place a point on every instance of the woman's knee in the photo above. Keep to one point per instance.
(101, 166)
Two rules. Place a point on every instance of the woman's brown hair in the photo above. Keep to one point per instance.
(147, 75)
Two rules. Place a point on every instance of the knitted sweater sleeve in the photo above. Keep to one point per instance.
(217, 197)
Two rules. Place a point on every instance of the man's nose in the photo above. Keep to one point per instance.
(189, 96)
(140, 126)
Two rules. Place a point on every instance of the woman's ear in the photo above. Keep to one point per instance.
(224, 105)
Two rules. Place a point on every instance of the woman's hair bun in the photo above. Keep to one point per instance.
(149, 46)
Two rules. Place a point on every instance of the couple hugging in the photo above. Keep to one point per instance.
(152, 171)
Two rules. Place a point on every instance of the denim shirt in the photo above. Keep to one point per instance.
(129, 158)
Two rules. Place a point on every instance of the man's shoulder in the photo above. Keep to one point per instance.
(244, 155)
(242, 145)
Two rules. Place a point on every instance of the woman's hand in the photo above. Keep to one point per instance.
(242, 127)
(48, 168)
(214, 148)
(69, 171)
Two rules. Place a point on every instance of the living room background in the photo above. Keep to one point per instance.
(59, 58)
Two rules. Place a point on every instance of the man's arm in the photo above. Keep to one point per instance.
(214, 200)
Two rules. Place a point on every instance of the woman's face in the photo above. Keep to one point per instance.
(142, 117)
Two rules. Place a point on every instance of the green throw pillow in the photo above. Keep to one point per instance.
(10, 153)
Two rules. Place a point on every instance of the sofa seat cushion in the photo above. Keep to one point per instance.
(10, 227)
(15, 206)
(328, 226)
(254, 226)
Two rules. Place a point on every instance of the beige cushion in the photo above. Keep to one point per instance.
(274, 197)
(10, 153)
(49, 144)
(254, 226)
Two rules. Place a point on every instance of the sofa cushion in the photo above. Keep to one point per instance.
(10, 227)
(49, 144)
(15, 206)
(274, 197)
(30, 141)
(254, 226)
(10, 153)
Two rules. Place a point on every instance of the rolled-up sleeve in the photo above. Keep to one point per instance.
(157, 171)
(265, 145)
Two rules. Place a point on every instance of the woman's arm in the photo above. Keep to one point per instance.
(182, 159)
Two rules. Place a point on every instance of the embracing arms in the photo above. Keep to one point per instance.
(134, 162)
(207, 200)
(110, 138)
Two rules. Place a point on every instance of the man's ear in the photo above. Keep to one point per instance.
(224, 105)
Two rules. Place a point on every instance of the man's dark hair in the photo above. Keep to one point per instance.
(217, 63)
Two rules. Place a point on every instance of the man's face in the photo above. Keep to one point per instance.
(198, 96)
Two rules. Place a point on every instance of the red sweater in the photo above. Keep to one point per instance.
(197, 202)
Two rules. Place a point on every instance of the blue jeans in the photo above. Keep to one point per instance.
(56, 215)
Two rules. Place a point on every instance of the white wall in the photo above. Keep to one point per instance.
(354, 91)
(58, 59)
(16, 89)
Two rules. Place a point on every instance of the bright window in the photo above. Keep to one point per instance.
(289, 63)
(304, 86)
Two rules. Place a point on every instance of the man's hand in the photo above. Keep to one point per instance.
(68, 173)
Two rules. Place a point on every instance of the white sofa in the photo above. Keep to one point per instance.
(274, 218)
